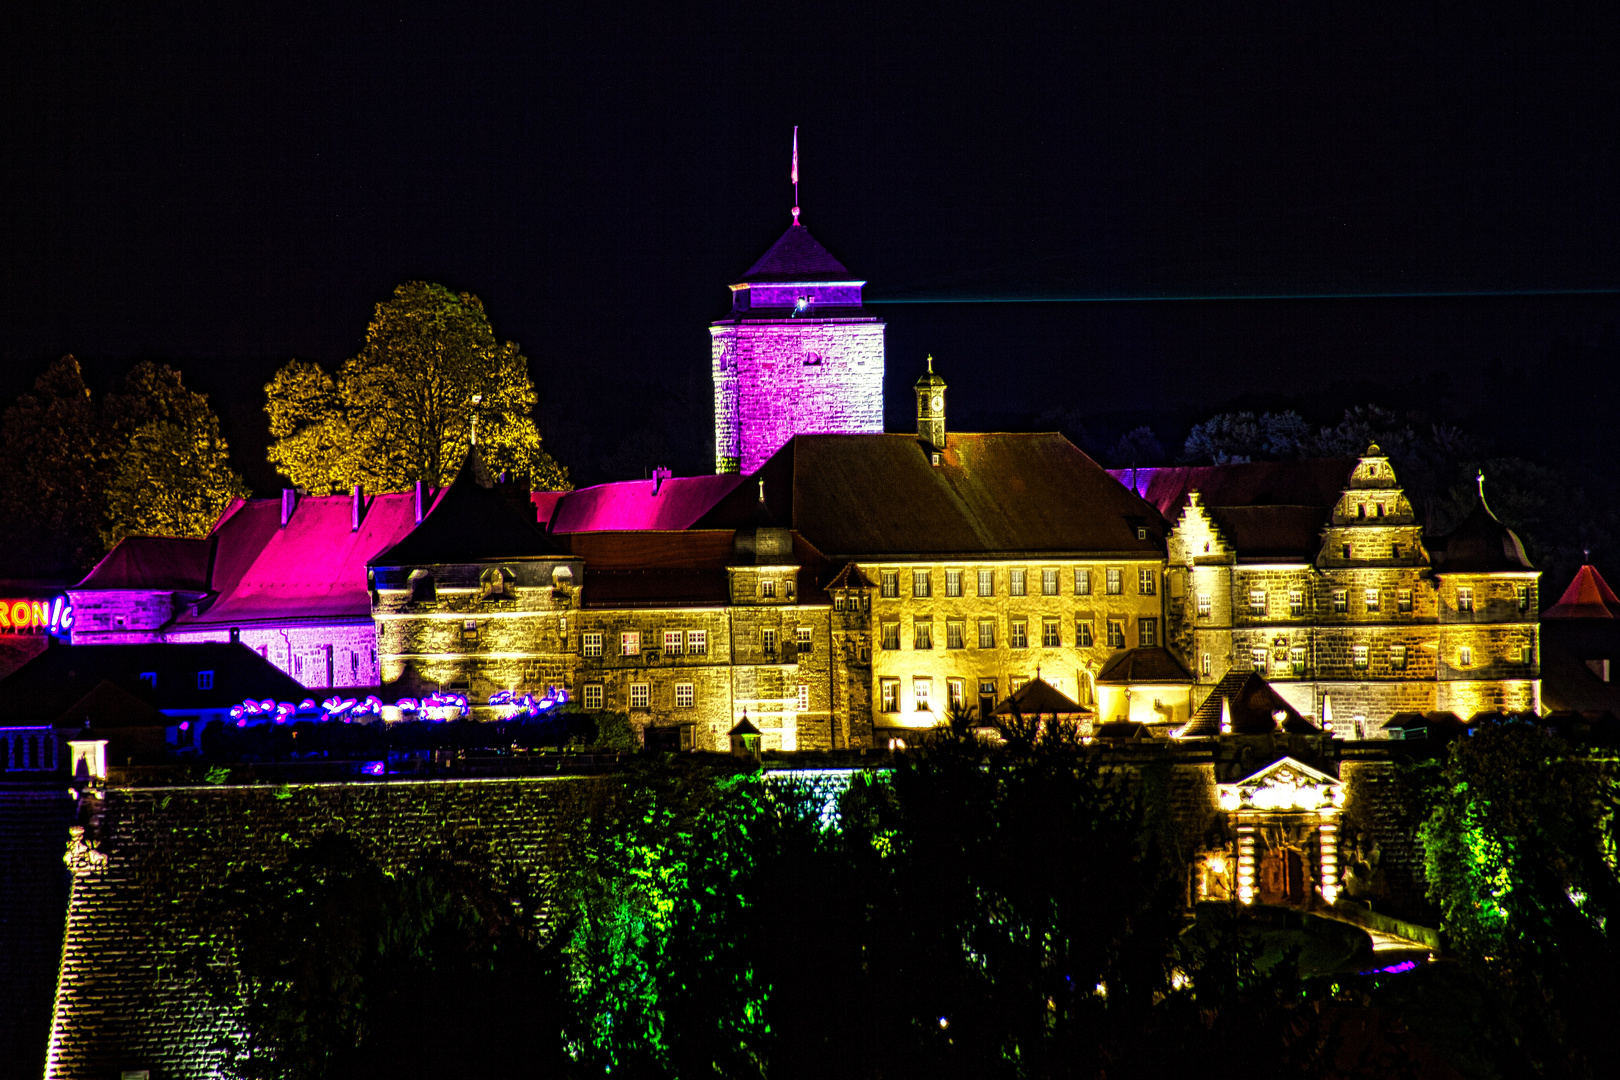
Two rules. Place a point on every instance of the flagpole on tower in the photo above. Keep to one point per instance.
(795, 174)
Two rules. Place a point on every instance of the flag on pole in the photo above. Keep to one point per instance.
(795, 153)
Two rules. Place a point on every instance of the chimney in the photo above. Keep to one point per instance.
(658, 478)
(354, 510)
(289, 501)
(419, 502)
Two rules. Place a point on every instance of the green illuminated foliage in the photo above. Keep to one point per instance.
(402, 410)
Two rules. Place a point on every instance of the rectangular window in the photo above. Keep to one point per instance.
(1465, 656)
(1049, 582)
(1341, 601)
(1082, 583)
(1296, 659)
(1147, 632)
(838, 602)
(1527, 654)
(1203, 605)
(987, 583)
(767, 589)
(697, 642)
(590, 644)
(1358, 656)
(804, 697)
(956, 694)
(953, 583)
(1116, 581)
(1524, 598)
(987, 633)
(1296, 602)
(1397, 657)
(987, 699)
(955, 634)
(640, 695)
(1050, 637)
(1147, 580)
(1465, 599)
(1082, 633)
(767, 642)
(1205, 665)
(1403, 601)
(1372, 600)
(922, 634)
(593, 695)
(469, 631)
(803, 640)
(890, 699)
(673, 639)
(1345, 549)
(1257, 602)
(1015, 586)
(1116, 633)
(891, 583)
(684, 695)
(1015, 684)
(920, 583)
(891, 635)
(205, 680)
(1257, 659)
(922, 691)
(1018, 634)
(630, 643)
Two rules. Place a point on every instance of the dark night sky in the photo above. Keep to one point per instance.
(228, 189)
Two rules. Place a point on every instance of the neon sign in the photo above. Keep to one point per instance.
(37, 616)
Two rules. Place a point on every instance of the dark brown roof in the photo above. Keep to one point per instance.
(1313, 482)
(1272, 532)
(1157, 665)
(796, 256)
(851, 577)
(698, 549)
(1038, 698)
(879, 495)
(161, 563)
(1253, 705)
(109, 705)
(474, 520)
(1480, 545)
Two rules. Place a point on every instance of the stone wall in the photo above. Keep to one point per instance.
(33, 898)
(317, 655)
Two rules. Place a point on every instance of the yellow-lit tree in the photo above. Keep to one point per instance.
(171, 480)
(403, 409)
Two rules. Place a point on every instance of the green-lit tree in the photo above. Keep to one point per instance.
(403, 409)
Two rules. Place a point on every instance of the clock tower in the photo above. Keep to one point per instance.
(931, 409)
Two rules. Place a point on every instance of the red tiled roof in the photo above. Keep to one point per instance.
(632, 504)
(160, 563)
(314, 568)
(1588, 597)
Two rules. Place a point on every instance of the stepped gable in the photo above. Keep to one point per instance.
(796, 256)
(314, 568)
(1253, 706)
(1480, 545)
(155, 563)
(676, 503)
(472, 521)
(51, 683)
(865, 496)
(1588, 597)
(1152, 666)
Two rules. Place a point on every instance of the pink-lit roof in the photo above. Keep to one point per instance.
(632, 505)
(545, 504)
(314, 568)
(159, 563)
(1588, 597)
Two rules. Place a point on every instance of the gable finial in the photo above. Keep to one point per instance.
(795, 174)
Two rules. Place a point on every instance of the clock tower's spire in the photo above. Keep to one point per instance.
(931, 408)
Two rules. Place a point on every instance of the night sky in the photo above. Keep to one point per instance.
(227, 187)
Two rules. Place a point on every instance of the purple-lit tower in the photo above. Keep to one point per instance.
(797, 355)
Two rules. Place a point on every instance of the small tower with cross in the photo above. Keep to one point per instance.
(931, 409)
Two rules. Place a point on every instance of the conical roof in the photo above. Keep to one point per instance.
(1588, 597)
(797, 256)
(1038, 698)
(1480, 545)
(473, 521)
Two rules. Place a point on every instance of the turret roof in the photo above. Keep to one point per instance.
(796, 256)
(1588, 597)
(472, 521)
(1480, 545)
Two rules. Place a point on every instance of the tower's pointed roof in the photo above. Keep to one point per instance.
(473, 521)
(797, 256)
(1588, 597)
(1480, 545)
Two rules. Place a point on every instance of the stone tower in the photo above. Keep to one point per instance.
(796, 355)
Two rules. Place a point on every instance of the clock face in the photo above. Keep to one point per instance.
(939, 403)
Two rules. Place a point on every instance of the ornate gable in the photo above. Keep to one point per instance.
(1287, 784)
(1196, 538)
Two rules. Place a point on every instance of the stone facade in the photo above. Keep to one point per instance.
(1366, 628)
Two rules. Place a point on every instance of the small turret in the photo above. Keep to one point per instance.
(931, 409)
